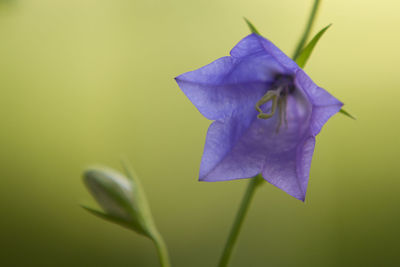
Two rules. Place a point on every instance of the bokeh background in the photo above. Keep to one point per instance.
(85, 81)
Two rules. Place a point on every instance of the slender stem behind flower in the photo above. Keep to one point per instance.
(244, 206)
(307, 30)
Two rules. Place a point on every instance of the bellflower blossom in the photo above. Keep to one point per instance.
(266, 113)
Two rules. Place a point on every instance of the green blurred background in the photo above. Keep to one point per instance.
(86, 81)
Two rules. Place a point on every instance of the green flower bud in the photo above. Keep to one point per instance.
(124, 202)
(121, 198)
(111, 190)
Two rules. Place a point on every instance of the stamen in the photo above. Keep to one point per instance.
(272, 95)
(278, 94)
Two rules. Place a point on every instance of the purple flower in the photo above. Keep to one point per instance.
(267, 112)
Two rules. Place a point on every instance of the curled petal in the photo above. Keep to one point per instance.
(324, 104)
(254, 44)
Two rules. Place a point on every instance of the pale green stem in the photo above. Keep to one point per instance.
(161, 250)
(244, 206)
(307, 30)
(254, 182)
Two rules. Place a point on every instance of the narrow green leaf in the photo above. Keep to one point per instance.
(145, 215)
(97, 213)
(140, 202)
(251, 26)
(344, 112)
(304, 55)
(110, 218)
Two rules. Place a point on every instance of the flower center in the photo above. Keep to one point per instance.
(282, 86)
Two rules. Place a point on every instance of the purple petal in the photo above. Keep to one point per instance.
(283, 157)
(254, 44)
(225, 157)
(285, 164)
(290, 171)
(223, 86)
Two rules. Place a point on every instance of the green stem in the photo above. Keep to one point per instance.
(307, 30)
(244, 206)
(161, 250)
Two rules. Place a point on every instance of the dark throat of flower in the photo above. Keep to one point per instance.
(281, 88)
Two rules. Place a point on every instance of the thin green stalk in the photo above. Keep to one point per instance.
(307, 30)
(244, 206)
(161, 250)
